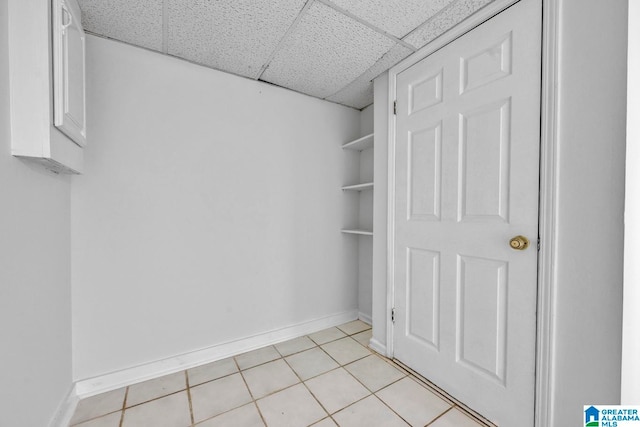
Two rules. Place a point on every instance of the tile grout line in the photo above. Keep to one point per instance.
(244, 380)
(153, 399)
(387, 405)
(186, 378)
(408, 375)
(226, 376)
(121, 409)
(303, 382)
(373, 392)
(253, 399)
(124, 406)
(239, 371)
(297, 352)
(427, 384)
(340, 365)
(351, 404)
(343, 366)
(308, 389)
(255, 403)
(473, 418)
(478, 418)
(439, 416)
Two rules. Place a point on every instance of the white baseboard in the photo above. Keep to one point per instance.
(378, 347)
(365, 318)
(118, 379)
(67, 408)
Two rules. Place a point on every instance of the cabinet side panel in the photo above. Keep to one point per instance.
(29, 77)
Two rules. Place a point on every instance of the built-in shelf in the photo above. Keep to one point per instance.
(360, 143)
(358, 231)
(359, 187)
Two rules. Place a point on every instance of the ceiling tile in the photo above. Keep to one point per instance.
(397, 17)
(138, 22)
(452, 15)
(359, 93)
(325, 52)
(237, 36)
(391, 58)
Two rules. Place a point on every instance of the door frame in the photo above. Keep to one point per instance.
(548, 197)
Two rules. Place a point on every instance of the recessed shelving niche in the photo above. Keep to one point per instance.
(365, 163)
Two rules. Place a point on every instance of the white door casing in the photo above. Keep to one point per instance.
(466, 181)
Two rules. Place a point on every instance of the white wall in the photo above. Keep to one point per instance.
(631, 318)
(35, 282)
(590, 178)
(210, 210)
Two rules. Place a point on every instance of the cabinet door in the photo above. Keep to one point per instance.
(69, 70)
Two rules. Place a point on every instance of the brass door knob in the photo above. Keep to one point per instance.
(519, 243)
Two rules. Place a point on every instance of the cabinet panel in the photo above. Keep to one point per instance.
(69, 70)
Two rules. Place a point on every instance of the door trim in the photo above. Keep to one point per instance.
(548, 188)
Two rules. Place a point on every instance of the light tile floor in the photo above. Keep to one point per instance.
(329, 378)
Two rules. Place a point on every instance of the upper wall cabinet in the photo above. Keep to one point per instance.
(47, 89)
(69, 71)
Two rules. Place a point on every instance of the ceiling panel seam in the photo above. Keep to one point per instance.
(292, 27)
(433, 18)
(165, 27)
(367, 24)
(357, 78)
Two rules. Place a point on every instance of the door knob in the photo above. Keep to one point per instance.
(519, 243)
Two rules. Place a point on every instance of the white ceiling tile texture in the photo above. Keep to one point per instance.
(325, 52)
(359, 93)
(236, 36)
(397, 17)
(330, 49)
(455, 13)
(138, 22)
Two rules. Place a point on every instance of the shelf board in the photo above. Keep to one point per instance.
(359, 187)
(360, 143)
(358, 231)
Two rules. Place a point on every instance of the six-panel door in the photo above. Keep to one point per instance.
(466, 182)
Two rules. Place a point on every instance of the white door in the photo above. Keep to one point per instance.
(466, 183)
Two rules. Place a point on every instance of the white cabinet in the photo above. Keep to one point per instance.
(33, 94)
(69, 70)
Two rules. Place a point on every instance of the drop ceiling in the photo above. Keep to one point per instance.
(329, 49)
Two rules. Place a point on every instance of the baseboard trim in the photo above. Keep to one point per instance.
(67, 408)
(114, 380)
(378, 347)
(365, 318)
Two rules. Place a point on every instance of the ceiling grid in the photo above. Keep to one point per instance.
(330, 49)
